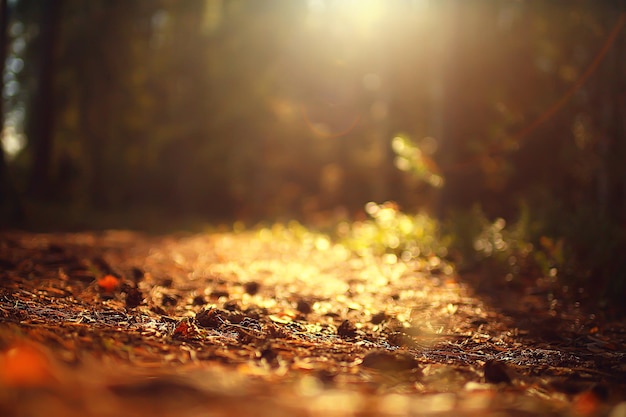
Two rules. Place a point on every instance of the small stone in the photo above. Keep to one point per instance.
(255, 312)
(304, 307)
(54, 248)
(479, 322)
(379, 317)
(383, 360)
(232, 305)
(212, 318)
(268, 353)
(159, 310)
(166, 282)
(198, 300)
(168, 300)
(251, 287)
(496, 372)
(219, 293)
(400, 339)
(134, 297)
(137, 273)
(346, 330)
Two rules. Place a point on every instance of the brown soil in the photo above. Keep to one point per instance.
(224, 324)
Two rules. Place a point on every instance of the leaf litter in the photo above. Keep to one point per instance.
(114, 322)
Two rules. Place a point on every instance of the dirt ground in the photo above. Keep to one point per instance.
(260, 323)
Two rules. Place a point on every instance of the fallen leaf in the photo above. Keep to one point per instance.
(587, 403)
(108, 283)
(24, 365)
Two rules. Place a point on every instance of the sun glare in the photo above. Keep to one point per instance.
(366, 14)
(363, 15)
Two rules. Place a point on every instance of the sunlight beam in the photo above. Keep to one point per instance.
(362, 15)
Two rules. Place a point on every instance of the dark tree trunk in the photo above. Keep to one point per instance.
(615, 272)
(457, 75)
(11, 208)
(42, 128)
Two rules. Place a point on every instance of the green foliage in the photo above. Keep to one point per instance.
(476, 241)
(388, 231)
(579, 249)
(411, 158)
(592, 239)
(293, 232)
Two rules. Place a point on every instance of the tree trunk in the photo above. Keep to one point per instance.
(42, 128)
(11, 208)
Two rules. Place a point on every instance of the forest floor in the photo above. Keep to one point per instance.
(254, 323)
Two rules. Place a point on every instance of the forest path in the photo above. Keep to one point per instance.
(274, 323)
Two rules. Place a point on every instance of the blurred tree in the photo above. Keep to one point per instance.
(507, 103)
(41, 121)
(11, 209)
(537, 118)
(283, 108)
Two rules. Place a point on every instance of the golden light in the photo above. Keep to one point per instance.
(340, 35)
(360, 16)
(347, 50)
(365, 15)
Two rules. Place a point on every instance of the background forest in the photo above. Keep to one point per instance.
(505, 120)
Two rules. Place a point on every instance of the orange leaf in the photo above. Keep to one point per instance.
(108, 283)
(586, 403)
(182, 330)
(24, 365)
